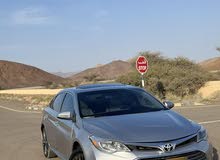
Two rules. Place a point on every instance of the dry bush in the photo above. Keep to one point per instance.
(179, 76)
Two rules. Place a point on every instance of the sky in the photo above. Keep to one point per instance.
(72, 35)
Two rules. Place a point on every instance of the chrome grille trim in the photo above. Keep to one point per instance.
(154, 147)
(196, 155)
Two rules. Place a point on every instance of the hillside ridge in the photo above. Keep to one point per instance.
(212, 64)
(107, 71)
(16, 75)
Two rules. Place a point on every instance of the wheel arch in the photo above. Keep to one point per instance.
(76, 145)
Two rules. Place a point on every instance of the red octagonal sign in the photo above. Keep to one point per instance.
(142, 64)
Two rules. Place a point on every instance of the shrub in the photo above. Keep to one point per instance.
(179, 76)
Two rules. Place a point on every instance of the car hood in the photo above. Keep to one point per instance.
(145, 127)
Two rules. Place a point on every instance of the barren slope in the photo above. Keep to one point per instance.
(13, 75)
(108, 71)
(211, 64)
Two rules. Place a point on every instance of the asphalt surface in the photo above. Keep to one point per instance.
(20, 131)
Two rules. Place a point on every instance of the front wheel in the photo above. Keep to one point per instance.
(77, 155)
(48, 153)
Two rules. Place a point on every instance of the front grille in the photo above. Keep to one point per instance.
(143, 148)
(189, 141)
(197, 155)
(154, 147)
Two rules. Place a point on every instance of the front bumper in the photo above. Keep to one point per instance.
(203, 150)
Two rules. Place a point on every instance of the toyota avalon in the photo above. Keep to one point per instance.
(119, 122)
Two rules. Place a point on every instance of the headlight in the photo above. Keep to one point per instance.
(108, 146)
(202, 135)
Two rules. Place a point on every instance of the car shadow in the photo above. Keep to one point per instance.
(215, 154)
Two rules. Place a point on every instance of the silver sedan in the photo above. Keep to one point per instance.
(119, 122)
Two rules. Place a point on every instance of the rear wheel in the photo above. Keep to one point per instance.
(48, 153)
(77, 155)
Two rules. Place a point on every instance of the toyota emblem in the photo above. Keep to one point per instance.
(168, 147)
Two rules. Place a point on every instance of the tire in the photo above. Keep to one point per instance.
(48, 153)
(77, 154)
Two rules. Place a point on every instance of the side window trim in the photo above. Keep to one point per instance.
(63, 100)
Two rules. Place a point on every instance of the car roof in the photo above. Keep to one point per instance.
(97, 87)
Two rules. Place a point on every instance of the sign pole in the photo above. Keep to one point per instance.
(142, 79)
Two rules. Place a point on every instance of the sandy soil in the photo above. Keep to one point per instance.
(210, 89)
(31, 91)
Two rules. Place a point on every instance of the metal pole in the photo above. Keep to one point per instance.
(142, 79)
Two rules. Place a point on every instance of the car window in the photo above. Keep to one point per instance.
(68, 104)
(117, 102)
(58, 102)
(146, 100)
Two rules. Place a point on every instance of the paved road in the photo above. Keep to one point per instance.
(20, 132)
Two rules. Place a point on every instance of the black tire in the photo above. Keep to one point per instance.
(77, 154)
(48, 153)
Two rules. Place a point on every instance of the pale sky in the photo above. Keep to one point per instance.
(72, 35)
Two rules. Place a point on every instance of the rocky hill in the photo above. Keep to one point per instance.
(108, 71)
(212, 64)
(15, 75)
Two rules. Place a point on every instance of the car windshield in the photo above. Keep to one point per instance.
(117, 102)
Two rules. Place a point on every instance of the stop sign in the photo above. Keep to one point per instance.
(142, 64)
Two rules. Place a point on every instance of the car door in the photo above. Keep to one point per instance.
(64, 139)
(53, 120)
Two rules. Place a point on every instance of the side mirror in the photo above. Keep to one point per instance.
(168, 104)
(67, 116)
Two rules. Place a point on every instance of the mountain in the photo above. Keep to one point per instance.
(16, 75)
(64, 74)
(212, 64)
(108, 71)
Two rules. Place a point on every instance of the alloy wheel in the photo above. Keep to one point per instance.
(78, 156)
(45, 143)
